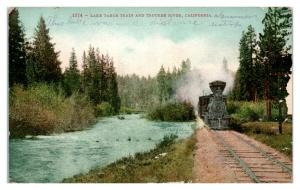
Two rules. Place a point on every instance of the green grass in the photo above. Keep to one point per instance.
(267, 133)
(42, 110)
(249, 111)
(170, 161)
(248, 118)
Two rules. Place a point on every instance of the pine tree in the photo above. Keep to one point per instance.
(86, 75)
(72, 76)
(274, 54)
(73, 62)
(169, 84)
(185, 67)
(44, 65)
(94, 81)
(247, 83)
(114, 98)
(162, 85)
(248, 80)
(235, 93)
(17, 51)
(99, 79)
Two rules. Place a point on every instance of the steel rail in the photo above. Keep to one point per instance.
(264, 153)
(243, 164)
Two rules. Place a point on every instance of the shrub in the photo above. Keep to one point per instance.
(246, 111)
(173, 112)
(78, 112)
(40, 109)
(250, 111)
(232, 107)
(104, 109)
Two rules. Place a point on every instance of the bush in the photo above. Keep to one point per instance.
(250, 111)
(232, 107)
(104, 109)
(246, 111)
(40, 109)
(78, 112)
(173, 112)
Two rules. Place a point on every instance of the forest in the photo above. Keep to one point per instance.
(44, 99)
(265, 62)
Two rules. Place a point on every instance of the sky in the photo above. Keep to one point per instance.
(140, 40)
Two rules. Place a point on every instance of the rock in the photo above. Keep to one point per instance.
(163, 154)
(121, 117)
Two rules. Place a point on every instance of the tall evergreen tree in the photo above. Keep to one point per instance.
(274, 54)
(72, 76)
(17, 51)
(248, 78)
(85, 79)
(162, 85)
(185, 66)
(99, 79)
(93, 87)
(169, 84)
(235, 93)
(43, 64)
(114, 98)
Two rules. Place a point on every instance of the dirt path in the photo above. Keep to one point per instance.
(209, 164)
(230, 157)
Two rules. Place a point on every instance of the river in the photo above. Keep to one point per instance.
(53, 158)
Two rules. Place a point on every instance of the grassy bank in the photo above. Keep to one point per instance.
(172, 111)
(267, 133)
(249, 111)
(42, 110)
(248, 118)
(170, 161)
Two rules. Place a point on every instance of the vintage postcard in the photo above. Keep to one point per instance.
(150, 95)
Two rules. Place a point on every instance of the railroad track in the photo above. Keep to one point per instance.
(251, 162)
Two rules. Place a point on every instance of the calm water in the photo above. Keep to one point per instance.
(53, 158)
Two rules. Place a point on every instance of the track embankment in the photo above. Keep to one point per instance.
(229, 156)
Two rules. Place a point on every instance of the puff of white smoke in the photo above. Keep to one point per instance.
(195, 83)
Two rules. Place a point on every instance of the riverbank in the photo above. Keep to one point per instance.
(169, 161)
(52, 158)
(248, 118)
(42, 110)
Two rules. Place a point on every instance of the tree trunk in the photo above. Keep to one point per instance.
(280, 119)
(269, 110)
(280, 127)
(268, 101)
